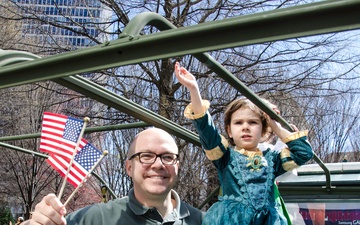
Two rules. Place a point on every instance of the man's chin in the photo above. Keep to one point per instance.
(159, 187)
(158, 190)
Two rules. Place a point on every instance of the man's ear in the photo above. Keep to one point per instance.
(128, 168)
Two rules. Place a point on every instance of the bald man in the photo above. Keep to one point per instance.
(153, 165)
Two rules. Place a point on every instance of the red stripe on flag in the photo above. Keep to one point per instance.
(76, 174)
(55, 115)
(62, 148)
(52, 135)
(50, 149)
(48, 127)
(56, 142)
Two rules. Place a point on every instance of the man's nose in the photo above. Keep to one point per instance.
(158, 162)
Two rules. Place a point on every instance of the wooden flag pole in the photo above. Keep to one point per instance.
(84, 180)
(86, 120)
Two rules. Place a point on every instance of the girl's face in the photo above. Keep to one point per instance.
(245, 128)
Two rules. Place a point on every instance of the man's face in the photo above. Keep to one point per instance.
(153, 180)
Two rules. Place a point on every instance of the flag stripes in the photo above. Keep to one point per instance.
(83, 162)
(59, 137)
(59, 134)
(60, 164)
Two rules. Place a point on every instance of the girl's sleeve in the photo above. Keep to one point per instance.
(299, 151)
(214, 144)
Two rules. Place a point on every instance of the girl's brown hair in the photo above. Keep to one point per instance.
(243, 103)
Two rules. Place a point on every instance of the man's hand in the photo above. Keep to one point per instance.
(50, 211)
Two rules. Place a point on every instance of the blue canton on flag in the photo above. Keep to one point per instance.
(83, 162)
(60, 134)
(72, 129)
(88, 156)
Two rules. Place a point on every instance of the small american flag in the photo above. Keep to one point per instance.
(60, 134)
(84, 160)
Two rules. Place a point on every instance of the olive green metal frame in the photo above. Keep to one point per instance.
(305, 20)
(17, 68)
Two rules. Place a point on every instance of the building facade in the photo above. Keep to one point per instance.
(63, 24)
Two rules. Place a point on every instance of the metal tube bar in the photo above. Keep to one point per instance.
(123, 104)
(23, 150)
(137, 24)
(46, 156)
(87, 130)
(9, 57)
(305, 20)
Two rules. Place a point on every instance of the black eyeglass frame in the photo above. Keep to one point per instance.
(157, 156)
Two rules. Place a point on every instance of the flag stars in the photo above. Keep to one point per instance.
(88, 156)
(59, 137)
(73, 129)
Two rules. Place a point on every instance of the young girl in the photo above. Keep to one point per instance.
(246, 174)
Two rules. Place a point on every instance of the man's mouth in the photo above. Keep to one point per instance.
(158, 177)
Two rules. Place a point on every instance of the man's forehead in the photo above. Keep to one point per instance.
(161, 147)
(153, 139)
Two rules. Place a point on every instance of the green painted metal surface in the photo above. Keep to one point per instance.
(122, 104)
(10, 57)
(87, 130)
(310, 19)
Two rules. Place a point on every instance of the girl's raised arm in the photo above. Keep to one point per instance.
(189, 81)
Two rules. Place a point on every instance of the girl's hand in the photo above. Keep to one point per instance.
(185, 77)
(277, 128)
(273, 124)
(189, 81)
(294, 128)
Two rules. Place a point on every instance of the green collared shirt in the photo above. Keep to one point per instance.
(128, 211)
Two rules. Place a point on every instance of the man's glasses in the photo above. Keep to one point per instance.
(150, 158)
